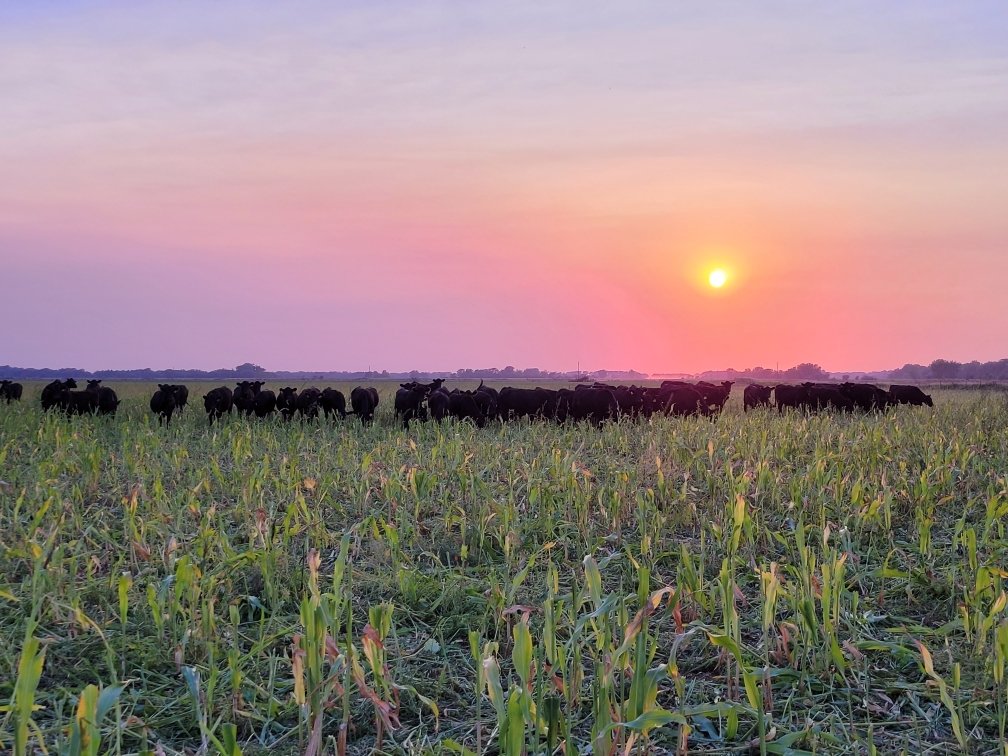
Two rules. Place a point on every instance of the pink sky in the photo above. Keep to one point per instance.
(442, 185)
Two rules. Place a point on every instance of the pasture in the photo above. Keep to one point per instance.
(826, 583)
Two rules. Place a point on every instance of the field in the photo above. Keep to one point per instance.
(780, 584)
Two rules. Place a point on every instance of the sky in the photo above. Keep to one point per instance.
(437, 185)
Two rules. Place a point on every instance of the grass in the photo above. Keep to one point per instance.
(780, 584)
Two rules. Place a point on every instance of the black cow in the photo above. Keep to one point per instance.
(439, 404)
(487, 403)
(164, 403)
(909, 395)
(83, 402)
(181, 396)
(217, 403)
(867, 397)
(534, 403)
(819, 396)
(628, 402)
(308, 403)
(682, 400)
(56, 394)
(108, 401)
(364, 401)
(287, 402)
(756, 395)
(489, 399)
(265, 403)
(410, 401)
(462, 405)
(594, 404)
(10, 391)
(714, 396)
(333, 402)
(790, 396)
(244, 396)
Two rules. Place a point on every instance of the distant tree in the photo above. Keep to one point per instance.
(945, 369)
(806, 371)
(910, 371)
(249, 368)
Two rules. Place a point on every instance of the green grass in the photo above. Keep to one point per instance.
(789, 584)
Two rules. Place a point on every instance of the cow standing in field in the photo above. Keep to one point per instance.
(682, 400)
(594, 404)
(164, 402)
(286, 402)
(535, 403)
(755, 396)
(264, 403)
(867, 397)
(333, 403)
(714, 396)
(10, 391)
(244, 396)
(462, 405)
(826, 396)
(363, 402)
(108, 401)
(309, 403)
(56, 394)
(909, 395)
(181, 396)
(438, 403)
(217, 403)
(83, 402)
(410, 401)
(789, 396)
(488, 399)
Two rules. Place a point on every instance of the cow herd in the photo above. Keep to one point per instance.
(414, 401)
(865, 397)
(63, 395)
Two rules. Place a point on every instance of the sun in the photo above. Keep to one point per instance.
(717, 278)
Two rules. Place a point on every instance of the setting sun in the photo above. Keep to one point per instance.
(717, 278)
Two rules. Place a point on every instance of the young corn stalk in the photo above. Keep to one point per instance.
(22, 705)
